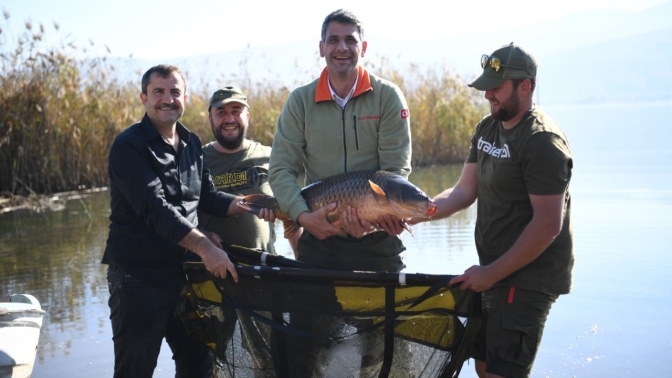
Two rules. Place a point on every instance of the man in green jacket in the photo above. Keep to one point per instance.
(346, 120)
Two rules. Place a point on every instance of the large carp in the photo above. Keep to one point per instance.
(371, 193)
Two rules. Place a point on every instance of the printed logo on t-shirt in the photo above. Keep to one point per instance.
(404, 113)
(240, 179)
(491, 149)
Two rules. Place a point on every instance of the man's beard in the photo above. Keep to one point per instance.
(343, 72)
(507, 109)
(230, 144)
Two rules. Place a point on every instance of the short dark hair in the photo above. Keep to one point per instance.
(342, 16)
(533, 83)
(163, 70)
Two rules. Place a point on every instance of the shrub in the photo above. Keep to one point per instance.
(59, 113)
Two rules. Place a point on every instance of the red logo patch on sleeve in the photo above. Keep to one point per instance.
(404, 113)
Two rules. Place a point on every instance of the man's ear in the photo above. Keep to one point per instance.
(143, 98)
(525, 87)
(321, 49)
(364, 44)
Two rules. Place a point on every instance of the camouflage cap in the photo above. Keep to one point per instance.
(228, 94)
(515, 62)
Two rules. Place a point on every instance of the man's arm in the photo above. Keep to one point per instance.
(133, 175)
(545, 225)
(394, 133)
(459, 197)
(316, 222)
(215, 202)
(215, 259)
(285, 166)
(286, 161)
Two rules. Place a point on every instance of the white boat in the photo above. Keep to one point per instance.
(20, 324)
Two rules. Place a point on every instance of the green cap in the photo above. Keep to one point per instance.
(228, 94)
(516, 63)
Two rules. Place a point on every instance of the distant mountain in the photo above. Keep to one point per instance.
(635, 68)
(593, 56)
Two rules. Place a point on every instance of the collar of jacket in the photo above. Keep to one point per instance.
(323, 93)
(151, 133)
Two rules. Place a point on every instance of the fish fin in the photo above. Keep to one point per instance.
(378, 192)
(334, 217)
(290, 228)
(406, 227)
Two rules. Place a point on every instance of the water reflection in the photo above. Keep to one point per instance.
(56, 257)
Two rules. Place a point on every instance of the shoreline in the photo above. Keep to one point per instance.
(43, 202)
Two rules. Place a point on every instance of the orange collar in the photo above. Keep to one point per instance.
(324, 94)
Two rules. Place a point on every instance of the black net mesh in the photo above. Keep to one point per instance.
(281, 321)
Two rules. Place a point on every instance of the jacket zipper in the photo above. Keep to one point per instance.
(354, 121)
(345, 146)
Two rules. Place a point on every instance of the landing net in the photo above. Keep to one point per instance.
(284, 319)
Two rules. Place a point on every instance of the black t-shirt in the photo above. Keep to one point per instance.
(533, 157)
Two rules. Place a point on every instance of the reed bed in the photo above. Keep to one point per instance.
(60, 109)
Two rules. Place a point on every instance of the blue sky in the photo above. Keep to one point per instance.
(170, 28)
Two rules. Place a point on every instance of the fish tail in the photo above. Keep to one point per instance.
(290, 228)
(253, 203)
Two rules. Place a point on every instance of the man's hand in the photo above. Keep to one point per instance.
(266, 214)
(316, 222)
(353, 225)
(359, 227)
(215, 259)
(390, 224)
(476, 278)
(218, 264)
(213, 237)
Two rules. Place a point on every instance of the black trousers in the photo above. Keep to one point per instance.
(142, 315)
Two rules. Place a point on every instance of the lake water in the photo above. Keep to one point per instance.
(616, 321)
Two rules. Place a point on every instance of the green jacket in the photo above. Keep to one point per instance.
(316, 136)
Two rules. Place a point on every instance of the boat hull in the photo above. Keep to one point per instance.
(20, 324)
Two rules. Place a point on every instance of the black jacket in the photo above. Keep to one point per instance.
(154, 196)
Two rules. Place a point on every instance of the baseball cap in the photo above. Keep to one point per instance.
(510, 61)
(228, 94)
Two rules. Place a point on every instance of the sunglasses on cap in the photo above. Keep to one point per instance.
(496, 63)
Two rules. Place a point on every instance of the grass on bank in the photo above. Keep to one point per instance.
(59, 113)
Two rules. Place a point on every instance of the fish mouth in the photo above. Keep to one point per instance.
(431, 210)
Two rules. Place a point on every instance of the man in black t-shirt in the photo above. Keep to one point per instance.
(519, 167)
